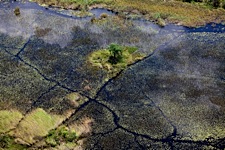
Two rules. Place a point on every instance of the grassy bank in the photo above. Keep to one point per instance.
(188, 14)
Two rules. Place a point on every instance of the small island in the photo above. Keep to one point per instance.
(115, 58)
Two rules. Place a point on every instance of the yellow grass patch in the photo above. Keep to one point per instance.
(36, 124)
(9, 119)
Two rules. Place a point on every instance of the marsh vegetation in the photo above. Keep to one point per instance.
(190, 13)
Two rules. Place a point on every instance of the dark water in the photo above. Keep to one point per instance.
(211, 27)
(11, 4)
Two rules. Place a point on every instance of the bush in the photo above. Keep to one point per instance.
(5, 141)
(17, 11)
(103, 15)
(62, 134)
(115, 52)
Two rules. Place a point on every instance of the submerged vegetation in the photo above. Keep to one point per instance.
(162, 12)
(115, 58)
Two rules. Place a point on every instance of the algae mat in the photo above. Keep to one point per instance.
(172, 99)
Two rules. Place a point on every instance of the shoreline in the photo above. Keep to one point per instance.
(166, 13)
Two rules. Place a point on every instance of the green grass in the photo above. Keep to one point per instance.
(36, 124)
(61, 134)
(175, 12)
(9, 119)
(100, 59)
(40, 127)
(8, 143)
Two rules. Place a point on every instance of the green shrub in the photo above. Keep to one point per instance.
(116, 53)
(70, 136)
(62, 134)
(115, 58)
(8, 142)
(5, 141)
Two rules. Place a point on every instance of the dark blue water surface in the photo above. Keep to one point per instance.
(211, 27)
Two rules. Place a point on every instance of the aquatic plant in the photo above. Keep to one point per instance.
(82, 13)
(103, 15)
(161, 22)
(93, 19)
(17, 11)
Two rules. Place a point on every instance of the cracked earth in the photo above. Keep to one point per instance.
(171, 99)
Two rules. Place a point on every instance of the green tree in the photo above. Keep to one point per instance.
(116, 53)
(216, 3)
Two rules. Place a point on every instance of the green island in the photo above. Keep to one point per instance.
(115, 58)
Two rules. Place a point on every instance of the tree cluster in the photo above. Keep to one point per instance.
(116, 53)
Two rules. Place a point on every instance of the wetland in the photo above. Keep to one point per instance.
(59, 89)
